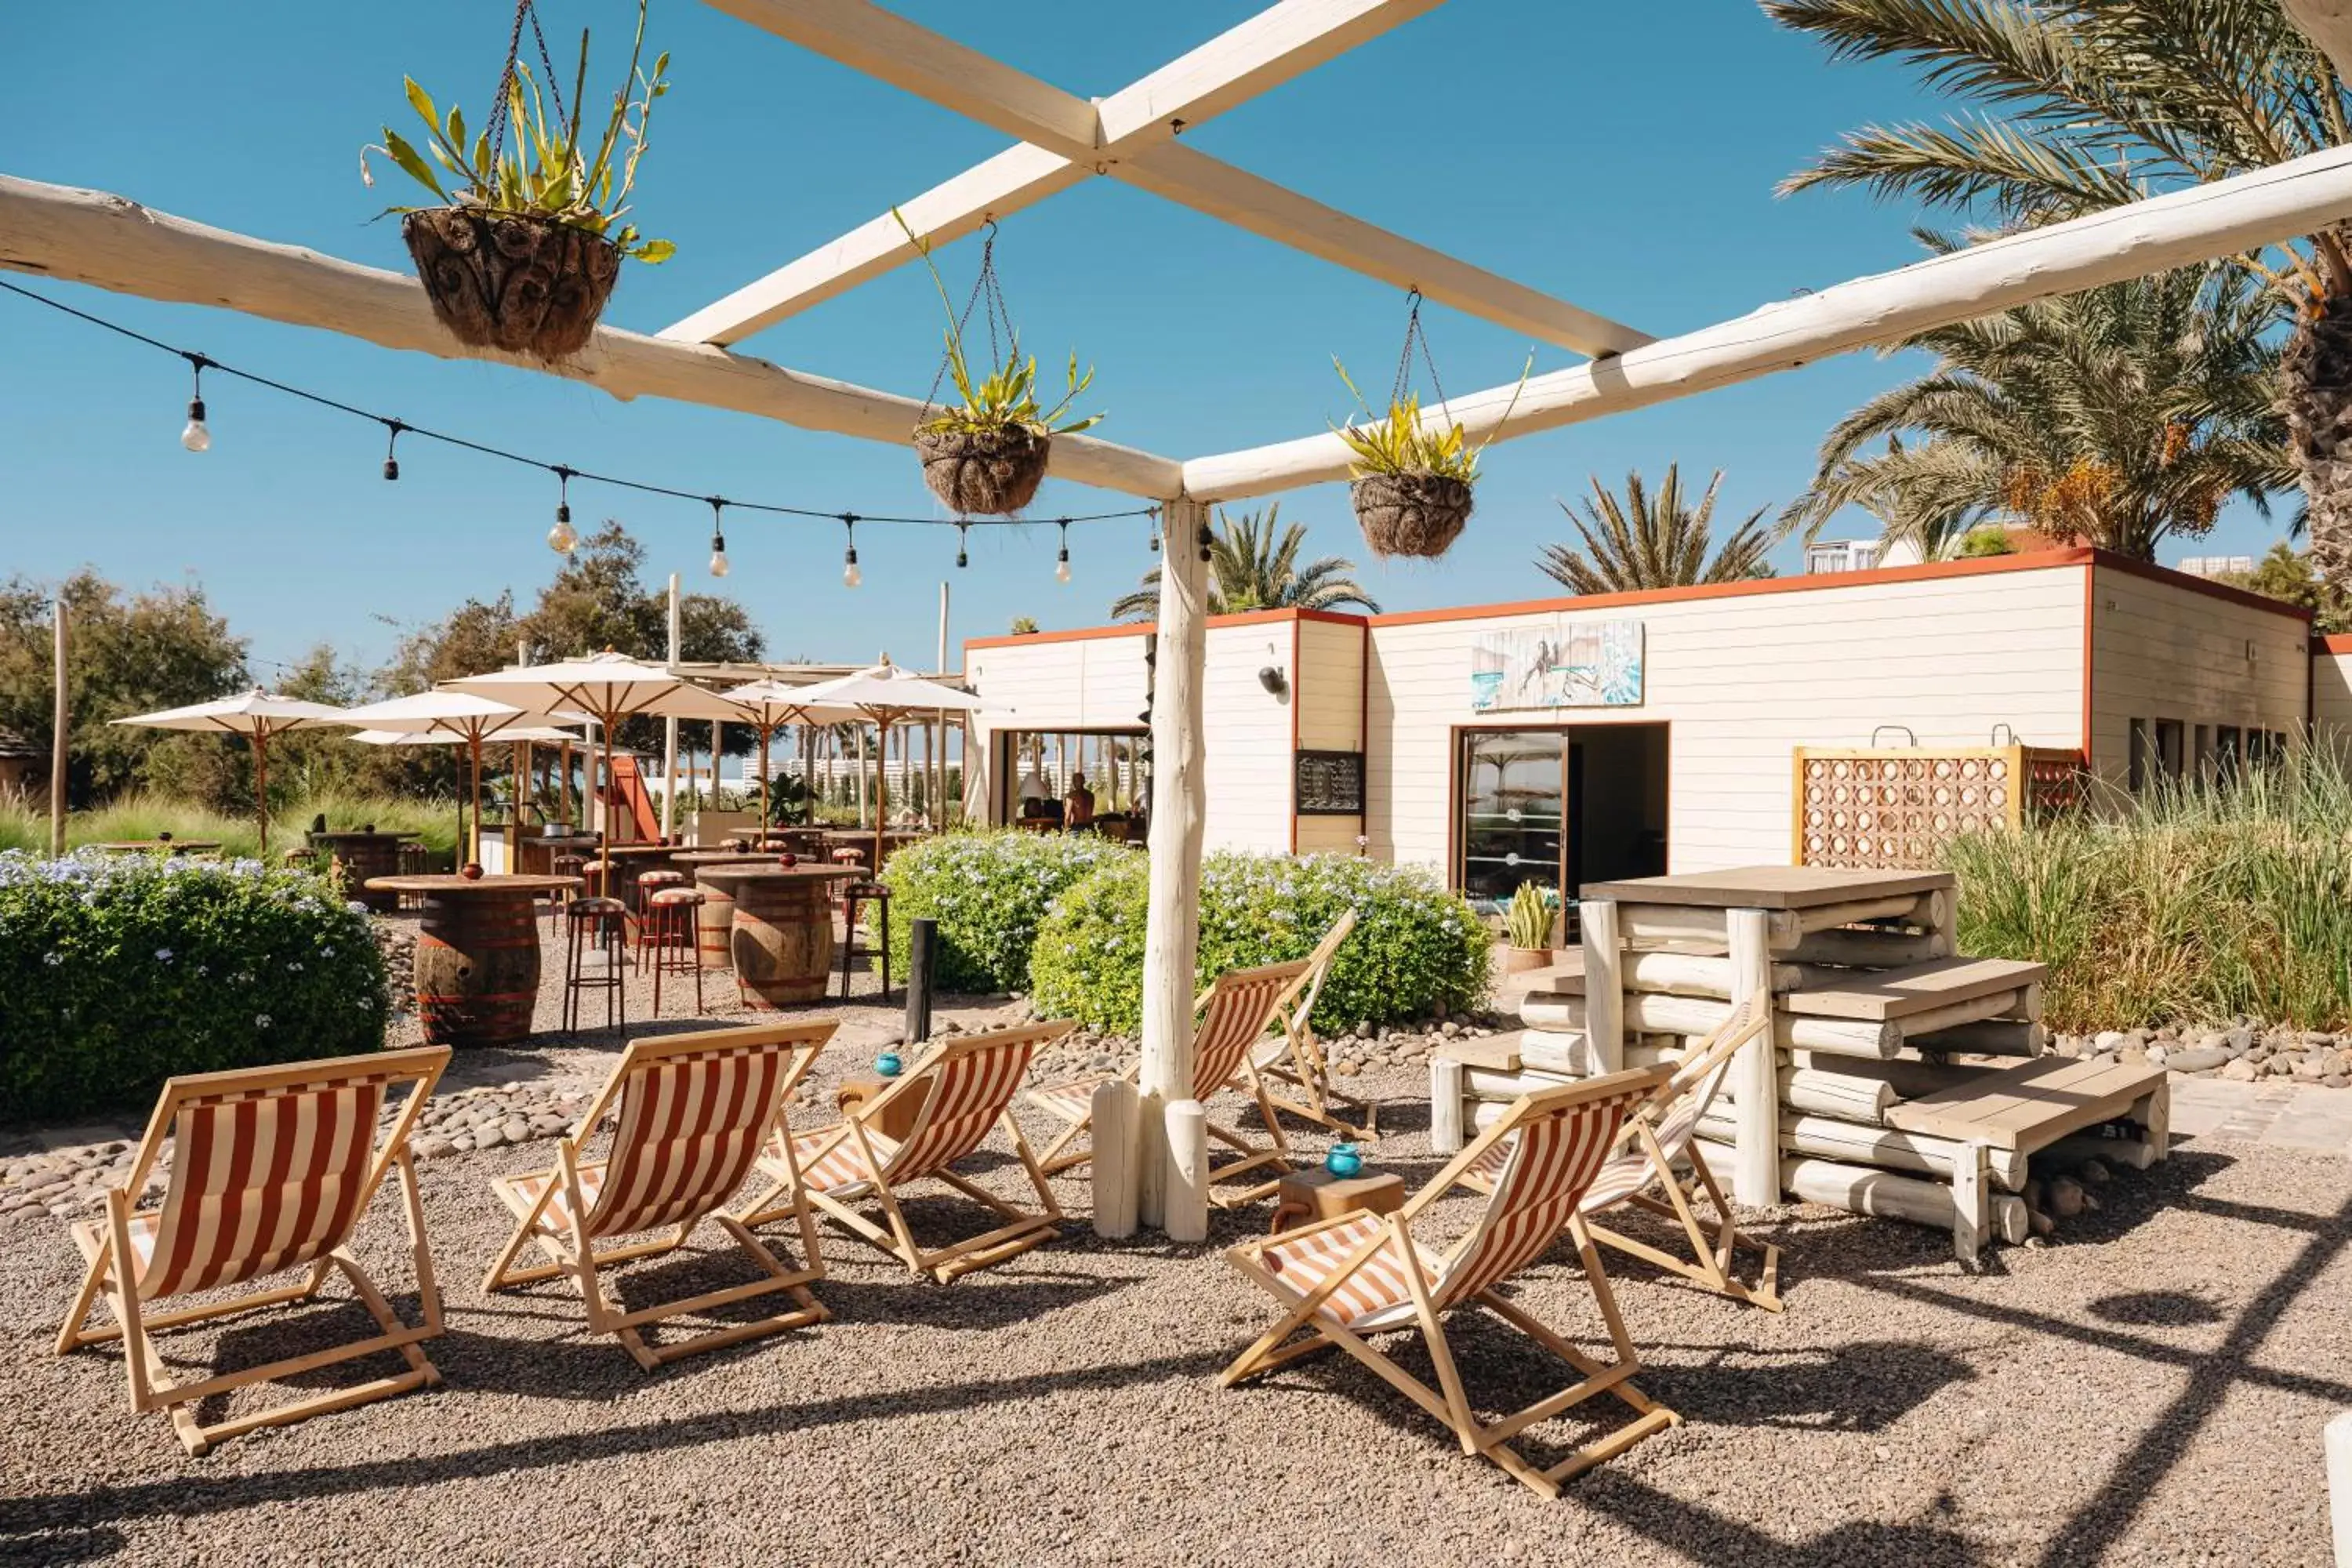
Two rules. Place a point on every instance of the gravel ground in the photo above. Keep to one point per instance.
(2149, 1392)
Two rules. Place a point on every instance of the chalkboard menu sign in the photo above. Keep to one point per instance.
(1330, 783)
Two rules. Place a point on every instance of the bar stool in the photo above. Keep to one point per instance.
(601, 875)
(558, 898)
(409, 860)
(877, 896)
(649, 883)
(596, 922)
(665, 940)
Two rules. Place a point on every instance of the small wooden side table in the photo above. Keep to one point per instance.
(1307, 1196)
(858, 1088)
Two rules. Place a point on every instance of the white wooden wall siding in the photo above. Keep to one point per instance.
(2173, 230)
(1129, 136)
(2328, 23)
(89, 236)
(2331, 697)
(2163, 652)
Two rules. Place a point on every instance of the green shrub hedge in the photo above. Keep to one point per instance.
(122, 970)
(989, 892)
(1416, 947)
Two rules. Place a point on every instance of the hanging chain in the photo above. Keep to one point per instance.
(525, 11)
(986, 287)
(1415, 335)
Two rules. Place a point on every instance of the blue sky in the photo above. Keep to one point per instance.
(1622, 157)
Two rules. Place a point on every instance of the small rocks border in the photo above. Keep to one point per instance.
(2242, 1053)
(1351, 1053)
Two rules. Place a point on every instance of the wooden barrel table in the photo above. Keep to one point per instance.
(715, 922)
(476, 954)
(781, 938)
(368, 859)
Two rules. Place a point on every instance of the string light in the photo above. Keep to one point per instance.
(194, 436)
(1062, 560)
(1207, 540)
(1155, 530)
(850, 575)
(719, 567)
(561, 538)
(963, 560)
(393, 429)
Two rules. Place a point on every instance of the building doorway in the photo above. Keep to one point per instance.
(1558, 807)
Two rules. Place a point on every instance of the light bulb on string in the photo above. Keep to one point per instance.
(1062, 560)
(719, 567)
(561, 538)
(392, 441)
(194, 436)
(850, 575)
(963, 558)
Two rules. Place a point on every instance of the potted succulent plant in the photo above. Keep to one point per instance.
(525, 248)
(1528, 921)
(984, 453)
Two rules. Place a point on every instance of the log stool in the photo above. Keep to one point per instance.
(853, 895)
(665, 939)
(596, 922)
(559, 898)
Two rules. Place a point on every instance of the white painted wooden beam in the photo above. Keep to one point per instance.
(107, 242)
(2328, 23)
(2177, 230)
(1129, 136)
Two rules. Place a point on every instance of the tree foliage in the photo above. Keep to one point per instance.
(1252, 566)
(2287, 574)
(1655, 541)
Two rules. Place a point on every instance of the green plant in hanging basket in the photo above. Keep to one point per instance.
(1412, 479)
(984, 453)
(524, 252)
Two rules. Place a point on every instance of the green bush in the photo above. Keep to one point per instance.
(122, 970)
(989, 892)
(1416, 947)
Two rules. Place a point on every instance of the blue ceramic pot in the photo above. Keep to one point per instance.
(888, 1065)
(1344, 1159)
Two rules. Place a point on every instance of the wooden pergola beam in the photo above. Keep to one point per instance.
(107, 242)
(2179, 229)
(1129, 136)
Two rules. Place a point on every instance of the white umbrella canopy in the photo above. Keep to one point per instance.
(542, 735)
(455, 716)
(258, 715)
(883, 695)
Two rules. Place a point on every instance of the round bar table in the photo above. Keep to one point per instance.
(781, 938)
(714, 922)
(476, 954)
(368, 859)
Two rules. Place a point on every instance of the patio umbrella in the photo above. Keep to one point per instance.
(884, 695)
(767, 706)
(457, 716)
(538, 732)
(606, 688)
(258, 715)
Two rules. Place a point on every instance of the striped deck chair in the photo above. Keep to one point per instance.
(1230, 1017)
(271, 1169)
(1346, 1279)
(1656, 1139)
(966, 1086)
(1298, 1059)
(694, 1110)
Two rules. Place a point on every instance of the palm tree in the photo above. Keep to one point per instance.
(2115, 417)
(1252, 568)
(1656, 541)
(2088, 104)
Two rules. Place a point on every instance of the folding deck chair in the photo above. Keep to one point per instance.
(965, 1087)
(271, 1169)
(1230, 1017)
(694, 1110)
(1298, 1059)
(1655, 1138)
(1345, 1279)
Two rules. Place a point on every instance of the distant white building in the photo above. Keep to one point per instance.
(2214, 565)
(1828, 555)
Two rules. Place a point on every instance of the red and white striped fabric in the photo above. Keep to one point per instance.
(841, 1172)
(692, 1127)
(559, 1208)
(1073, 1100)
(1378, 1295)
(969, 1091)
(1239, 1010)
(261, 1182)
(1554, 1157)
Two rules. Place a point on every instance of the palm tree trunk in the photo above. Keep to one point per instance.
(2315, 376)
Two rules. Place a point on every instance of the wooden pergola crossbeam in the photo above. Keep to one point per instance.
(1128, 136)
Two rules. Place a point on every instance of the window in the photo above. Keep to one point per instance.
(2142, 766)
(2228, 751)
(1560, 808)
(2169, 739)
(2201, 753)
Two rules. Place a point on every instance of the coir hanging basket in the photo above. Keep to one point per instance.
(1410, 514)
(512, 281)
(984, 473)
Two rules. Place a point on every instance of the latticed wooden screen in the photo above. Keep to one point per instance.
(1893, 808)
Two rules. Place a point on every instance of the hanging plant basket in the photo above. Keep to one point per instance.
(1419, 515)
(984, 473)
(512, 281)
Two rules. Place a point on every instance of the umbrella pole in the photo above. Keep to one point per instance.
(261, 784)
(473, 836)
(881, 789)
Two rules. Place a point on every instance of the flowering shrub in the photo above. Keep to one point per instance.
(119, 971)
(988, 891)
(1416, 947)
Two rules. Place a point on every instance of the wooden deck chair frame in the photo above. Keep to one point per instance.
(1712, 1260)
(1448, 1402)
(856, 1134)
(1244, 1073)
(569, 1235)
(105, 1241)
(1299, 1062)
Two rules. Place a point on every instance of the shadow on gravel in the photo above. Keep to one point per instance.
(1706, 1536)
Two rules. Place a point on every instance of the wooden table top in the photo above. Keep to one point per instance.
(1769, 887)
(754, 871)
(337, 834)
(494, 882)
(723, 857)
(622, 851)
(2032, 1105)
(855, 835)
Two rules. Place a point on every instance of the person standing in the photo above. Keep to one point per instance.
(1078, 806)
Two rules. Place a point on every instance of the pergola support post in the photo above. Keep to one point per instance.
(1178, 799)
(1755, 1071)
